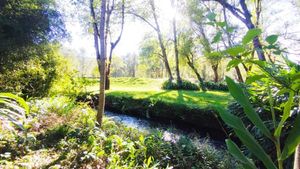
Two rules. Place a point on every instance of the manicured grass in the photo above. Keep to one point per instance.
(144, 98)
(192, 98)
(144, 88)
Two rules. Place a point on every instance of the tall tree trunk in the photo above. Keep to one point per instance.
(179, 81)
(297, 158)
(102, 62)
(161, 43)
(99, 58)
(215, 70)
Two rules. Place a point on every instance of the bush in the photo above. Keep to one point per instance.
(221, 86)
(185, 85)
(33, 77)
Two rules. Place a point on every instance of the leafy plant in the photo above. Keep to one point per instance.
(13, 109)
(221, 86)
(185, 85)
(268, 80)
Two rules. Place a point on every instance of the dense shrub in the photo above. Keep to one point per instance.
(185, 85)
(32, 78)
(222, 86)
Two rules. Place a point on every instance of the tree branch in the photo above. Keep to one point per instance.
(143, 19)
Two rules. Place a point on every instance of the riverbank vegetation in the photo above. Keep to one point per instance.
(223, 71)
(61, 133)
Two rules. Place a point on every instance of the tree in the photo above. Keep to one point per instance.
(244, 16)
(157, 29)
(150, 62)
(187, 49)
(179, 81)
(20, 39)
(100, 49)
(113, 44)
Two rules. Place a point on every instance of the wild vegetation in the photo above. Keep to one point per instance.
(224, 74)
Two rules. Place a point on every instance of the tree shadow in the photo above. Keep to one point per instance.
(180, 97)
(159, 94)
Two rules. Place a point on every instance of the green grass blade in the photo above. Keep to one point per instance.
(292, 140)
(286, 113)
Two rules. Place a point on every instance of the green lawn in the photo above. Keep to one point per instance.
(141, 88)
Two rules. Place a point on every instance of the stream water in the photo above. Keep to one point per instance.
(171, 132)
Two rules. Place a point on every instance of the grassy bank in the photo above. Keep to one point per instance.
(143, 88)
(143, 97)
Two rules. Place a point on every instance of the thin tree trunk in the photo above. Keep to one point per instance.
(179, 81)
(201, 81)
(190, 62)
(239, 74)
(237, 69)
(215, 70)
(248, 22)
(113, 45)
(107, 82)
(102, 63)
(297, 158)
(160, 39)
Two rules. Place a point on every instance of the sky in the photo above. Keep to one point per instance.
(278, 14)
(134, 31)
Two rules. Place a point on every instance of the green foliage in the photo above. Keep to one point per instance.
(235, 50)
(250, 35)
(33, 78)
(272, 39)
(184, 85)
(13, 109)
(27, 24)
(236, 152)
(73, 140)
(221, 86)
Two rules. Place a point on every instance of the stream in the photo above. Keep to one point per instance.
(171, 132)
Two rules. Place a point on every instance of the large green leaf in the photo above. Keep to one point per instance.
(250, 35)
(254, 78)
(292, 140)
(272, 39)
(20, 100)
(237, 153)
(286, 113)
(211, 16)
(235, 50)
(13, 109)
(217, 37)
(239, 95)
(245, 136)
(233, 63)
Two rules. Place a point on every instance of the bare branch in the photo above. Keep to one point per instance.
(143, 19)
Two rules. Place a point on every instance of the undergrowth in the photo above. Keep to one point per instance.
(63, 134)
